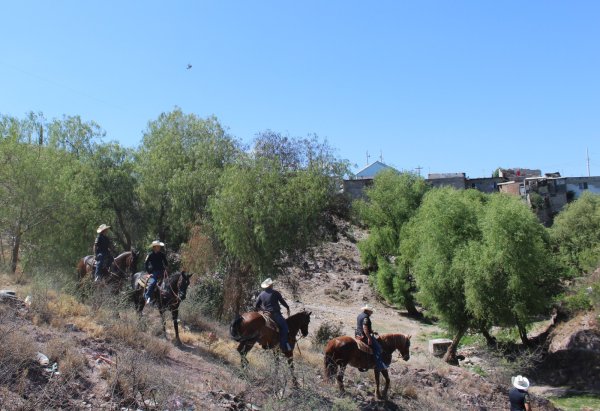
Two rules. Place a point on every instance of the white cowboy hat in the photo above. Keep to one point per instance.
(520, 382)
(367, 308)
(267, 283)
(157, 243)
(102, 228)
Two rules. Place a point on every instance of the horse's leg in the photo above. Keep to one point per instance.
(290, 359)
(175, 315)
(163, 321)
(377, 393)
(340, 377)
(386, 375)
(243, 348)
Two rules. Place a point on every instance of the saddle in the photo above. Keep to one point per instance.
(269, 322)
(143, 280)
(362, 346)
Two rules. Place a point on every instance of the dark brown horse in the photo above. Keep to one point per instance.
(174, 291)
(343, 351)
(120, 269)
(251, 328)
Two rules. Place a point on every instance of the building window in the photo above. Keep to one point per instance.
(583, 186)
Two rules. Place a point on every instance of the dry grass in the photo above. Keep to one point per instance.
(71, 361)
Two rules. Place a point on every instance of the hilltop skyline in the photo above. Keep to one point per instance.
(448, 87)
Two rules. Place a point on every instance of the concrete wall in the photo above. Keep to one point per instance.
(355, 189)
(578, 185)
(456, 182)
(485, 185)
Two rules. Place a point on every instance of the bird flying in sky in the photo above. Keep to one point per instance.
(189, 66)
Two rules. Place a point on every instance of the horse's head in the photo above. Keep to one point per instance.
(304, 321)
(184, 284)
(135, 254)
(404, 346)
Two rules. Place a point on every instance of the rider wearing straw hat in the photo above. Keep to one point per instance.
(156, 265)
(102, 245)
(518, 396)
(268, 300)
(364, 331)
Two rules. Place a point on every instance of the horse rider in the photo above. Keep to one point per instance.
(364, 331)
(102, 247)
(268, 300)
(156, 265)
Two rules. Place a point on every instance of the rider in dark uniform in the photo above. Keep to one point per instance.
(518, 396)
(268, 300)
(156, 265)
(364, 331)
(102, 247)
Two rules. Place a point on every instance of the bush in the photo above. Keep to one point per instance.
(326, 332)
(577, 302)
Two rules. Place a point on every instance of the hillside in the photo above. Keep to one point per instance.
(108, 359)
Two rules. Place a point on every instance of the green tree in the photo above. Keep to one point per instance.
(576, 234)
(445, 223)
(179, 163)
(510, 273)
(392, 201)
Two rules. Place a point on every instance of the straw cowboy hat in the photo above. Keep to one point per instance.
(367, 308)
(102, 227)
(267, 283)
(520, 383)
(157, 243)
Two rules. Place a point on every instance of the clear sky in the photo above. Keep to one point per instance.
(451, 86)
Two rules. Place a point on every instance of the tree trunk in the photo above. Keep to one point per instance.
(121, 221)
(14, 258)
(450, 356)
(522, 332)
(491, 340)
(409, 304)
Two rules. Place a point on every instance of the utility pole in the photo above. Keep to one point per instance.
(368, 157)
(381, 155)
(419, 168)
(587, 154)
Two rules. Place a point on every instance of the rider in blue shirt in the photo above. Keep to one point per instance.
(156, 265)
(269, 300)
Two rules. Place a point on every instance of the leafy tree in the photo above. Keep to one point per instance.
(179, 164)
(576, 234)
(36, 181)
(392, 201)
(445, 223)
(111, 178)
(510, 274)
(260, 214)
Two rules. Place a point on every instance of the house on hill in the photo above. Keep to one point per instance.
(354, 187)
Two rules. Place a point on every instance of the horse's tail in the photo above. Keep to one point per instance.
(234, 328)
(330, 365)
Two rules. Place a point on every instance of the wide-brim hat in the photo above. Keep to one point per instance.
(520, 382)
(157, 243)
(267, 283)
(102, 227)
(367, 307)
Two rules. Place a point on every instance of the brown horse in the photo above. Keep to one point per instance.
(251, 328)
(121, 267)
(343, 351)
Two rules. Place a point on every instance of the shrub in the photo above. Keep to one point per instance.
(326, 332)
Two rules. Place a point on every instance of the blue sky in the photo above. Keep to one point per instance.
(451, 86)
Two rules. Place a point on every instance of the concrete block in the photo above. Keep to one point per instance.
(439, 346)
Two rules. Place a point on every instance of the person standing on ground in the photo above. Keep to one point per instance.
(364, 331)
(518, 396)
(268, 300)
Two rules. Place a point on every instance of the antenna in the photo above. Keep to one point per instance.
(368, 157)
(381, 155)
(587, 154)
